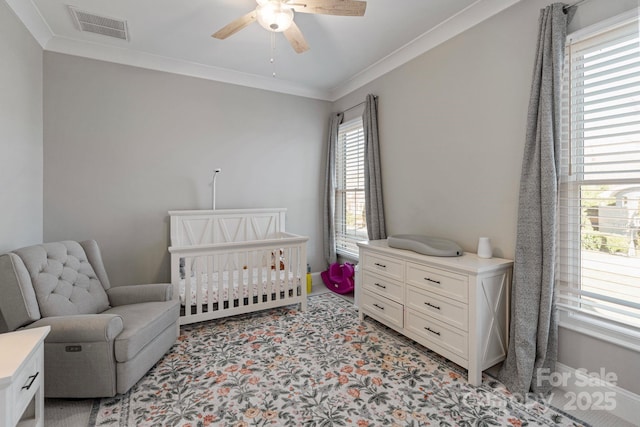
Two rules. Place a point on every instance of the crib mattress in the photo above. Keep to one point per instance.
(263, 282)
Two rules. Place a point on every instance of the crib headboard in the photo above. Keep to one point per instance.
(202, 227)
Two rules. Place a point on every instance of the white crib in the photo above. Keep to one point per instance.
(234, 261)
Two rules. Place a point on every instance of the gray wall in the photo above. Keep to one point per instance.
(20, 134)
(124, 145)
(452, 129)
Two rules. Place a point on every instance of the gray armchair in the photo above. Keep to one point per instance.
(103, 339)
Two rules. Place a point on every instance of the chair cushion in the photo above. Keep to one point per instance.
(94, 256)
(18, 304)
(142, 324)
(63, 280)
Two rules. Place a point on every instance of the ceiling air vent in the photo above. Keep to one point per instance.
(91, 23)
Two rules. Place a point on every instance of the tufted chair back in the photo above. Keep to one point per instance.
(64, 280)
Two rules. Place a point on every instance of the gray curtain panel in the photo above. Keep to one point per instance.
(329, 226)
(533, 337)
(374, 208)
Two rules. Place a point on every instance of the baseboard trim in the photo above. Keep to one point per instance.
(316, 279)
(627, 404)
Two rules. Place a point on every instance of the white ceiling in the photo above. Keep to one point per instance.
(175, 36)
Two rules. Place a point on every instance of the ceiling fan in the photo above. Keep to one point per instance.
(277, 16)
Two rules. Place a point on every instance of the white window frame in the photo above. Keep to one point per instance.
(346, 239)
(626, 336)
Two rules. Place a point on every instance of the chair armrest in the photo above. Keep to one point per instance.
(81, 328)
(135, 294)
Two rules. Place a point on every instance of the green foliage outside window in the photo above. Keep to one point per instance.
(593, 238)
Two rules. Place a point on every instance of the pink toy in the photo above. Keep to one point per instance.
(339, 278)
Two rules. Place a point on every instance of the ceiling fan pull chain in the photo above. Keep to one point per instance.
(273, 54)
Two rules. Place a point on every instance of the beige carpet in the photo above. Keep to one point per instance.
(67, 412)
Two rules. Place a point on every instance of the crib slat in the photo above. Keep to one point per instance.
(266, 278)
(256, 276)
(187, 285)
(245, 278)
(273, 274)
(198, 285)
(261, 284)
(292, 272)
(251, 255)
(283, 276)
(242, 277)
(276, 278)
(210, 284)
(220, 282)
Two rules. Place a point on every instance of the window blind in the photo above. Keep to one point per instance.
(350, 219)
(599, 212)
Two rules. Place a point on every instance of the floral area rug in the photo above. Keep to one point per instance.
(322, 367)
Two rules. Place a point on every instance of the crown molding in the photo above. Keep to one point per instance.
(472, 15)
(30, 16)
(457, 24)
(140, 59)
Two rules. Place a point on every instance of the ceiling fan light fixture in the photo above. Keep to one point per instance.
(273, 16)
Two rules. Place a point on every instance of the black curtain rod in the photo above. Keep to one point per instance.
(576, 4)
(362, 103)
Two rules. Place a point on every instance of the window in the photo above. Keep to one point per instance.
(599, 240)
(351, 225)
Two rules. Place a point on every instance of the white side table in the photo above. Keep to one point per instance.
(21, 377)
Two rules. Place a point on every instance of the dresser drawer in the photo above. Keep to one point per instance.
(389, 312)
(390, 267)
(27, 381)
(386, 287)
(448, 311)
(433, 331)
(441, 282)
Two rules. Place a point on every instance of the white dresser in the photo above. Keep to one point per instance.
(455, 306)
(21, 377)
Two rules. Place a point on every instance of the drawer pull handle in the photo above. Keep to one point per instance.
(431, 305)
(380, 265)
(432, 281)
(432, 331)
(380, 286)
(378, 306)
(32, 378)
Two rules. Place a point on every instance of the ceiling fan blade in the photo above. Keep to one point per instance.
(235, 26)
(295, 37)
(330, 7)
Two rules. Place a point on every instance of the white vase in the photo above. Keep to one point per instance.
(484, 248)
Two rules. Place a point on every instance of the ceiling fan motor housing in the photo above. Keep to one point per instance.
(277, 16)
(273, 15)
